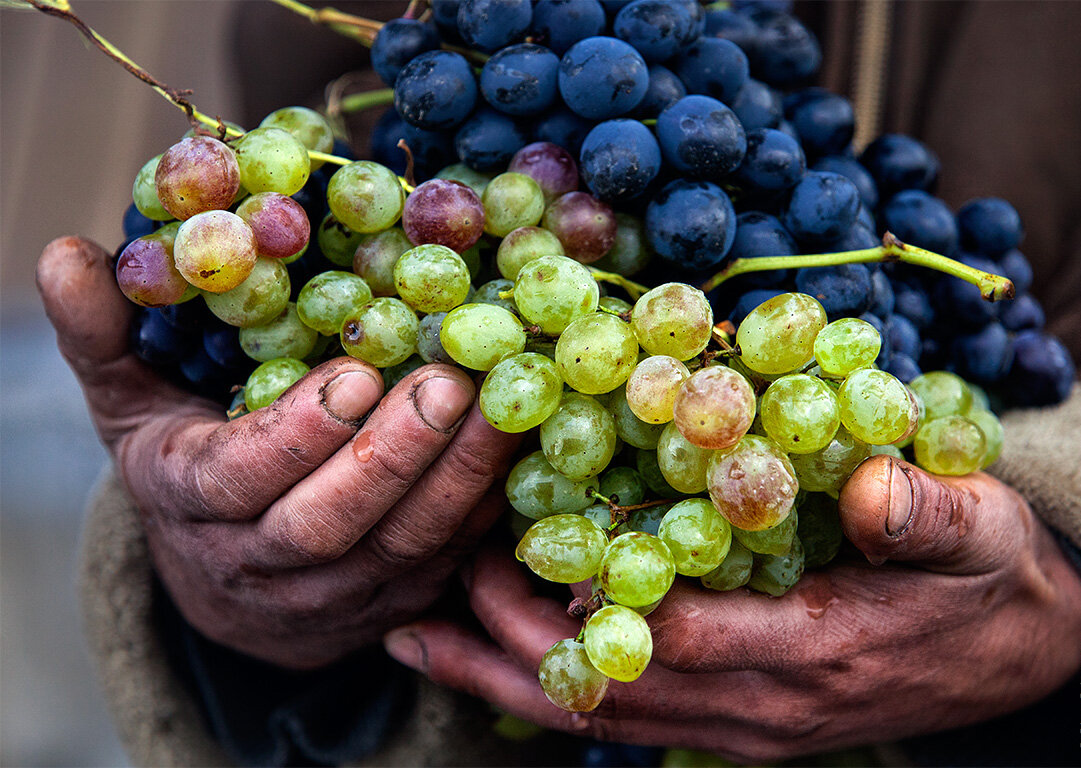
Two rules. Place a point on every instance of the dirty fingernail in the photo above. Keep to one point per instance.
(900, 508)
(351, 394)
(441, 401)
(404, 645)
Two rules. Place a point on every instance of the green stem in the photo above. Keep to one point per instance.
(992, 287)
(649, 121)
(358, 102)
(633, 289)
(360, 29)
(595, 494)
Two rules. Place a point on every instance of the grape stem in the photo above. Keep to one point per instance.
(992, 287)
(358, 102)
(633, 289)
(618, 515)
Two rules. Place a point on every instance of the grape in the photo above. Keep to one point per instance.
(520, 79)
(272, 160)
(629, 427)
(878, 450)
(337, 242)
(257, 300)
(432, 278)
(664, 90)
(393, 374)
(943, 394)
(989, 225)
(521, 392)
(478, 336)
(444, 212)
(776, 574)
(673, 319)
(827, 469)
(819, 529)
(553, 290)
(305, 125)
(824, 121)
(435, 91)
(489, 25)
(701, 137)
(602, 516)
(144, 192)
(637, 569)
(776, 540)
(397, 43)
(618, 643)
(950, 445)
(619, 160)
(584, 225)
(752, 484)
(326, 300)
(822, 207)
(875, 406)
(579, 438)
(921, 219)
(683, 464)
(778, 335)
(656, 28)
(215, 251)
(697, 535)
(691, 224)
(563, 548)
(596, 353)
(365, 196)
(713, 67)
(714, 407)
(489, 292)
(511, 200)
(648, 520)
(774, 161)
(900, 162)
(845, 345)
(568, 678)
(851, 169)
(645, 461)
(271, 379)
(375, 257)
(147, 273)
(537, 490)
(993, 434)
(382, 332)
(548, 164)
(196, 175)
(284, 336)
(800, 413)
(625, 484)
(630, 253)
(786, 52)
(460, 172)
(280, 225)
(601, 78)
(614, 306)
(653, 386)
(733, 572)
(488, 140)
(520, 246)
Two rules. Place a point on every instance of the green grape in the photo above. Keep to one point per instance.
(800, 413)
(618, 643)
(827, 469)
(552, 291)
(776, 540)
(776, 574)
(612, 305)
(569, 679)
(845, 345)
(144, 193)
(393, 374)
(511, 200)
(382, 332)
(365, 196)
(637, 569)
(752, 484)
(478, 336)
(673, 319)
(537, 490)
(215, 251)
(564, 548)
(325, 348)
(645, 461)
(271, 379)
(683, 464)
(697, 536)
(648, 520)
(950, 445)
(475, 180)
(876, 450)
(431, 278)
(993, 434)
(339, 243)
(733, 572)
(326, 300)
(778, 335)
(306, 126)
(596, 353)
(653, 386)
(980, 400)
(284, 336)
(917, 414)
(521, 392)
(715, 407)
(625, 484)
(819, 529)
(629, 427)
(272, 160)
(488, 293)
(429, 347)
(875, 406)
(522, 245)
(579, 438)
(630, 253)
(257, 300)
(374, 257)
(943, 394)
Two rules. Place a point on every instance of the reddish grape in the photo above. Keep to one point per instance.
(197, 174)
(215, 251)
(280, 225)
(551, 166)
(147, 274)
(584, 225)
(445, 213)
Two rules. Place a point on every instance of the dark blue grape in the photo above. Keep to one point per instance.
(900, 162)
(488, 140)
(774, 161)
(562, 128)
(155, 341)
(844, 290)
(759, 234)
(700, 136)
(904, 336)
(1022, 314)
(960, 301)
(655, 28)
(398, 42)
(664, 90)
(619, 159)
(521, 79)
(757, 106)
(602, 78)
(882, 296)
(857, 238)
(696, 19)
(188, 316)
(903, 367)
(824, 121)
(445, 16)
(137, 225)
(559, 24)
(737, 27)
(823, 207)
(989, 225)
(222, 344)
(488, 25)
(854, 172)
(921, 219)
(1042, 372)
(786, 52)
(383, 147)
(984, 356)
(691, 224)
(712, 67)
(913, 303)
(885, 354)
(436, 90)
(866, 218)
(432, 150)
(207, 378)
(748, 301)
(1016, 267)
(612, 7)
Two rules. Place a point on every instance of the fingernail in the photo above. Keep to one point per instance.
(404, 646)
(900, 501)
(441, 401)
(350, 395)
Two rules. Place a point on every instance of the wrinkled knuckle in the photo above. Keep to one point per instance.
(310, 538)
(395, 470)
(216, 495)
(476, 468)
(394, 549)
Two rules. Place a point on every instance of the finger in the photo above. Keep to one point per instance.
(328, 511)
(893, 510)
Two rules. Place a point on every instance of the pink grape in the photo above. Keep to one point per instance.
(551, 166)
(197, 174)
(584, 225)
(444, 213)
(147, 274)
(714, 408)
(280, 224)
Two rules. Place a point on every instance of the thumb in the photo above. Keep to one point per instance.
(892, 510)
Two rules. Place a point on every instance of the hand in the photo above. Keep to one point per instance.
(285, 534)
(977, 613)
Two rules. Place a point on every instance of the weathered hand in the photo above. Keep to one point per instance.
(974, 612)
(301, 531)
